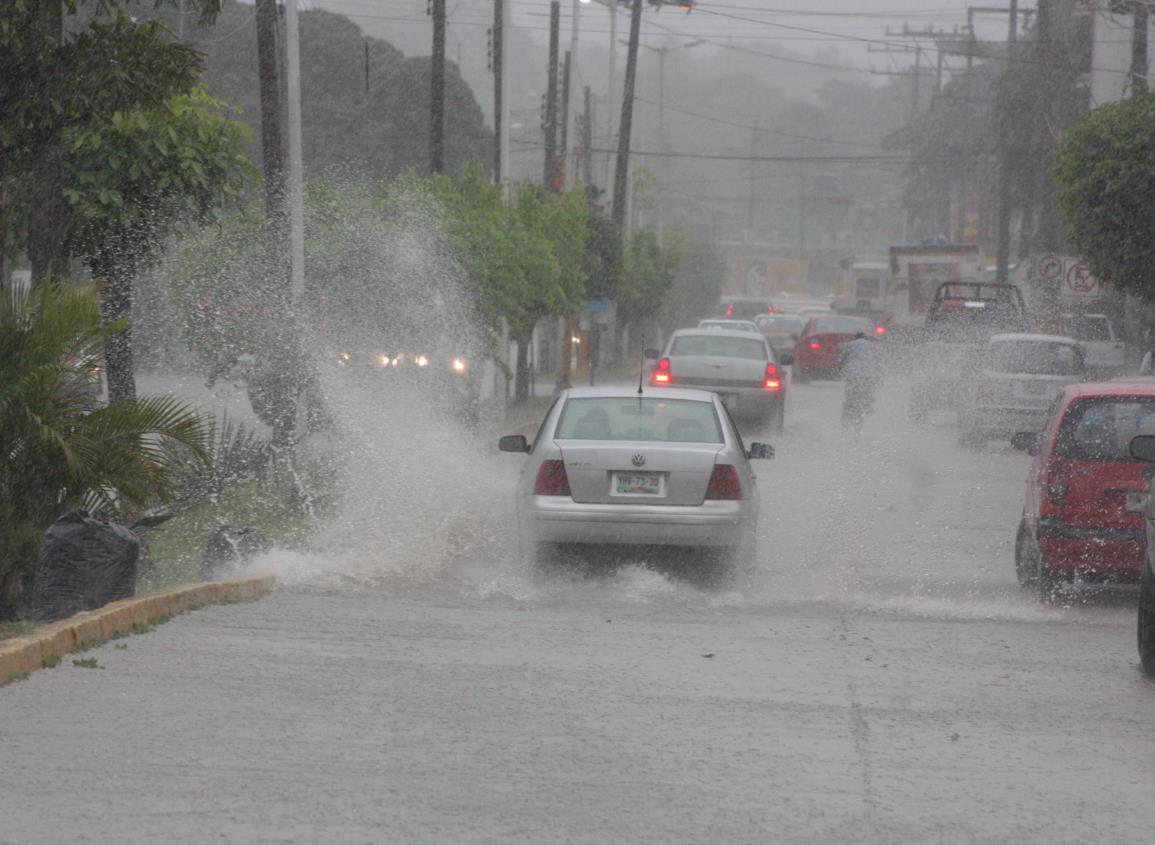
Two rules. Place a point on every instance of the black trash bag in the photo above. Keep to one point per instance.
(231, 547)
(86, 563)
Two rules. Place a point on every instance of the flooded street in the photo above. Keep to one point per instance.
(881, 678)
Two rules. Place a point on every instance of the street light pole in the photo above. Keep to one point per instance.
(296, 167)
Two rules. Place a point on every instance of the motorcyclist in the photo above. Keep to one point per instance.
(861, 371)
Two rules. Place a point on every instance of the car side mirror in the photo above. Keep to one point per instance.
(513, 443)
(764, 451)
(786, 357)
(1028, 441)
(653, 354)
(1143, 448)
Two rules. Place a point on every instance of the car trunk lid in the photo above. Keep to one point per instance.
(636, 473)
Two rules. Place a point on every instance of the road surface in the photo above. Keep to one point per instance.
(881, 678)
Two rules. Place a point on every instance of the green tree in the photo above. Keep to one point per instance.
(130, 179)
(647, 275)
(697, 283)
(62, 449)
(1105, 166)
(65, 63)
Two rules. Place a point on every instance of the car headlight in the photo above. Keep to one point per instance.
(383, 360)
(421, 361)
(459, 365)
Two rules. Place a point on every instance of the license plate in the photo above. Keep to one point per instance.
(1137, 502)
(638, 483)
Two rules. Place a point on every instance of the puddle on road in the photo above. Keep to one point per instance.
(867, 524)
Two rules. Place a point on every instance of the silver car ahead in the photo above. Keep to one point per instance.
(740, 367)
(613, 466)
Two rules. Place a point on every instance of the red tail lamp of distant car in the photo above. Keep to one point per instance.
(551, 480)
(662, 374)
(773, 378)
(724, 483)
(815, 345)
(730, 310)
(880, 329)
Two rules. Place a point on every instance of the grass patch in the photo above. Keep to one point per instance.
(237, 600)
(23, 676)
(177, 547)
(50, 662)
(525, 417)
(11, 630)
(87, 663)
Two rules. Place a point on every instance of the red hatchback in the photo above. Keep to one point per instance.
(1086, 496)
(818, 352)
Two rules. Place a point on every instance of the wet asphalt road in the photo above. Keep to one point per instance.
(881, 678)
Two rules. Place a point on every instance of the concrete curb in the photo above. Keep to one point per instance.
(22, 655)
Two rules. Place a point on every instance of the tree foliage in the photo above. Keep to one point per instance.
(62, 449)
(1105, 166)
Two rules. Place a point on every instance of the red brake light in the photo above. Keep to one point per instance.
(773, 379)
(815, 344)
(551, 480)
(662, 373)
(880, 329)
(730, 310)
(724, 483)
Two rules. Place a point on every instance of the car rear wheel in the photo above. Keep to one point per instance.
(1026, 558)
(1146, 627)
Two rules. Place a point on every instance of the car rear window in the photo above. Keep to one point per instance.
(1102, 429)
(784, 323)
(1089, 328)
(640, 418)
(732, 325)
(841, 325)
(1033, 357)
(720, 347)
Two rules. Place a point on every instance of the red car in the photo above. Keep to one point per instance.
(818, 352)
(1086, 495)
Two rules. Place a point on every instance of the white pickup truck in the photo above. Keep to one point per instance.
(1103, 351)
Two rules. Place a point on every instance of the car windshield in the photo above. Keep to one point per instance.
(1102, 429)
(1043, 358)
(1089, 328)
(841, 325)
(718, 346)
(639, 418)
(785, 323)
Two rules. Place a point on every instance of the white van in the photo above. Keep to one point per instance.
(1103, 351)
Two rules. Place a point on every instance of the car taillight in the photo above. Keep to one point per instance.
(773, 379)
(662, 374)
(1057, 482)
(724, 483)
(551, 480)
(815, 344)
(880, 329)
(730, 310)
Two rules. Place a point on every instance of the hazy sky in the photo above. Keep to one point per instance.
(803, 26)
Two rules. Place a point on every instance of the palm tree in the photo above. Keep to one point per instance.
(60, 447)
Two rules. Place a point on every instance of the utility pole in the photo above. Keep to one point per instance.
(1046, 225)
(622, 168)
(1139, 48)
(571, 118)
(296, 166)
(272, 156)
(611, 94)
(437, 92)
(587, 139)
(561, 167)
(551, 95)
(753, 179)
(1003, 242)
(498, 54)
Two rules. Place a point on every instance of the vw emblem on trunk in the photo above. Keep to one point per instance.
(639, 460)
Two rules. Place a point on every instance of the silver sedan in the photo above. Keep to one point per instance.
(621, 466)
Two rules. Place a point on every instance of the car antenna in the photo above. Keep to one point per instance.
(642, 365)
